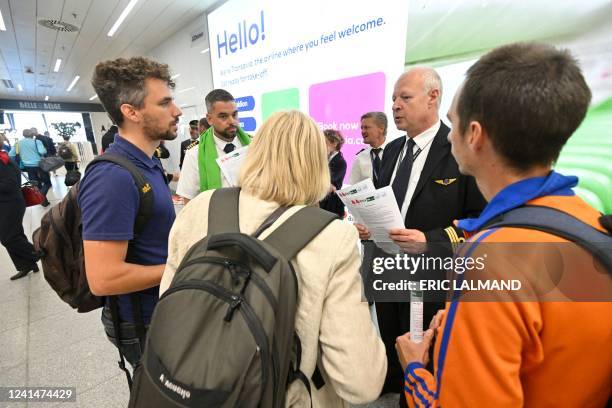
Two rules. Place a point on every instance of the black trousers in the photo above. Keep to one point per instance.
(41, 177)
(393, 321)
(12, 236)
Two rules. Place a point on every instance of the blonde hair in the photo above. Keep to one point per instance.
(287, 161)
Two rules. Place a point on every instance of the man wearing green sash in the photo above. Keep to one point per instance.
(200, 171)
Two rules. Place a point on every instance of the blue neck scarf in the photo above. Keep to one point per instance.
(517, 194)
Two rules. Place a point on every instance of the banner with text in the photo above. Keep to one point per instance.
(333, 60)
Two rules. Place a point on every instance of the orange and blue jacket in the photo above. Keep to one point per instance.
(514, 354)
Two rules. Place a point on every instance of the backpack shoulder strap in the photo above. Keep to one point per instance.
(297, 231)
(269, 221)
(223, 211)
(561, 224)
(145, 193)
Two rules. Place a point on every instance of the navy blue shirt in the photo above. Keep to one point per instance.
(109, 201)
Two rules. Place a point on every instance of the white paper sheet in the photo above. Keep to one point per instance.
(363, 187)
(378, 211)
(230, 164)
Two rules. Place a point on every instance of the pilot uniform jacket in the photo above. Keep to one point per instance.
(337, 171)
(185, 144)
(442, 195)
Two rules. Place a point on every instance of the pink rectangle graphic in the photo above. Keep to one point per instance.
(339, 105)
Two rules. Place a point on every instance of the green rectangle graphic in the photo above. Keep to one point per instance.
(284, 99)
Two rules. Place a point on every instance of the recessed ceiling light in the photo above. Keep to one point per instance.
(20, 88)
(57, 65)
(73, 83)
(93, 97)
(47, 98)
(173, 77)
(205, 51)
(2, 26)
(122, 17)
(186, 89)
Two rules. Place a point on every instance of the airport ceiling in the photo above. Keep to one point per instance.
(29, 51)
(437, 29)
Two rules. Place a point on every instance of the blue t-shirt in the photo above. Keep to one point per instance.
(109, 203)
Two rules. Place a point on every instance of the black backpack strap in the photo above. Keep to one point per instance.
(114, 309)
(223, 211)
(606, 222)
(139, 325)
(317, 378)
(297, 231)
(269, 221)
(296, 374)
(563, 225)
(289, 238)
(145, 192)
(145, 211)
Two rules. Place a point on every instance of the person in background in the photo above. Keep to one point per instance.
(194, 133)
(203, 125)
(5, 144)
(30, 152)
(162, 152)
(46, 140)
(109, 137)
(68, 152)
(12, 210)
(44, 176)
(368, 160)
(337, 171)
(200, 170)
(538, 350)
(287, 166)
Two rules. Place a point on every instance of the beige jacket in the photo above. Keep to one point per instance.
(333, 324)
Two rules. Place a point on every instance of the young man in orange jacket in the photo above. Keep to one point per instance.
(511, 117)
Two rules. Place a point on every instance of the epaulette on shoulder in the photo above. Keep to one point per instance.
(194, 143)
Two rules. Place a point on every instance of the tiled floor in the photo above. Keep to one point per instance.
(43, 342)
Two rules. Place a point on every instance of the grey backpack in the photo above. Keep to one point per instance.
(223, 334)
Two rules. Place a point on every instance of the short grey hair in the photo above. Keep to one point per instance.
(431, 81)
(379, 118)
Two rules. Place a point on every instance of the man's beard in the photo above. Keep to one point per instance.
(227, 135)
(153, 132)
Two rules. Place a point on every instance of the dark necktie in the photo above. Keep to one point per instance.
(375, 154)
(229, 148)
(402, 176)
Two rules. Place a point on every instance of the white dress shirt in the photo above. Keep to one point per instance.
(422, 141)
(362, 165)
(189, 182)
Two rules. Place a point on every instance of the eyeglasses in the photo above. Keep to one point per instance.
(194, 128)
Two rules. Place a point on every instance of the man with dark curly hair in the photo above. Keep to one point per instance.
(137, 95)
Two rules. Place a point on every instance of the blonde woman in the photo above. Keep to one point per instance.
(287, 166)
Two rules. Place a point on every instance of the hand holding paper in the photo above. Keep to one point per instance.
(375, 210)
(411, 241)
